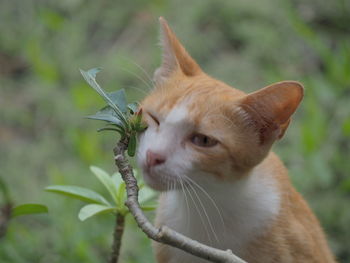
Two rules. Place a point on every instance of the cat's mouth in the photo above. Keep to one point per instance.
(158, 179)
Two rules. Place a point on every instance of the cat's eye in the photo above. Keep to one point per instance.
(154, 118)
(202, 140)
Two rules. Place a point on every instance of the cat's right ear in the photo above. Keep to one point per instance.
(269, 110)
(175, 57)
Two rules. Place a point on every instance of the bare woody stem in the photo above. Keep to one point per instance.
(163, 234)
(5, 215)
(117, 237)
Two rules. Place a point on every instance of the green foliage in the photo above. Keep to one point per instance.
(93, 209)
(27, 209)
(90, 77)
(126, 119)
(77, 192)
(97, 204)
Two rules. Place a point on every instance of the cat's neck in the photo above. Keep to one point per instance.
(237, 211)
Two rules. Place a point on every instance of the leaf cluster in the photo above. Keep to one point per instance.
(124, 118)
(97, 203)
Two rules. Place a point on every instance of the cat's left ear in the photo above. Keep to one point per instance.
(271, 108)
(175, 57)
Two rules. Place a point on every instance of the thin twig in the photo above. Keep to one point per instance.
(5, 215)
(163, 234)
(117, 237)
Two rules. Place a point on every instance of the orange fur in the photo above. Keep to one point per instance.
(245, 127)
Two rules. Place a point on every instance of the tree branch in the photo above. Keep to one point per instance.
(117, 237)
(163, 234)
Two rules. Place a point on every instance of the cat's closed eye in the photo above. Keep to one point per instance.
(202, 140)
(153, 119)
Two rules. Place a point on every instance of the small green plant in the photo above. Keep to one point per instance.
(99, 204)
(124, 118)
(8, 211)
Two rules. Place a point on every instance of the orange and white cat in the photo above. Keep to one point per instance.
(207, 148)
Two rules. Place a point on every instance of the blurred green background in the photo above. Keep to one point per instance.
(45, 140)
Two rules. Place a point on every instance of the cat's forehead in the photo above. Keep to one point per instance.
(190, 99)
(179, 113)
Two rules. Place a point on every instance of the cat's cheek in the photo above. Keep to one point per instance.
(213, 162)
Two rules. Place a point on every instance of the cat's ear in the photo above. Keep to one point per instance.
(175, 56)
(269, 109)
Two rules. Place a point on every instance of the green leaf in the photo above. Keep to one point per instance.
(121, 195)
(132, 145)
(93, 72)
(139, 126)
(107, 181)
(93, 209)
(118, 97)
(109, 129)
(78, 192)
(137, 175)
(107, 114)
(133, 107)
(146, 194)
(27, 209)
(148, 207)
(90, 77)
(117, 179)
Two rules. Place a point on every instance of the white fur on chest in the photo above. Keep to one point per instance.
(246, 207)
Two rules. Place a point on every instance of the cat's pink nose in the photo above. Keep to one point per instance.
(154, 159)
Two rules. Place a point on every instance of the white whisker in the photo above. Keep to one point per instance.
(205, 212)
(187, 205)
(209, 197)
(148, 85)
(136, 88)
(144, 71)
(200, 216)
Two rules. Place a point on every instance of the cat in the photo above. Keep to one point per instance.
(207, 149)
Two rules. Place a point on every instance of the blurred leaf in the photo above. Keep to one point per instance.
(146, 194)
(148, 207)
(116, 129)
(93, 209)
(44, 67)
(107, 181)
(27, 209)
(78, 192)
(117, 178)
(121, 195)
(346, 127)
(345, 185)
(118, 97)
(314, 129)
(132, 145)
(51, 18)
(106, 114)
(87, 144)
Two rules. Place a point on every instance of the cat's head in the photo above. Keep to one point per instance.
(202, 129)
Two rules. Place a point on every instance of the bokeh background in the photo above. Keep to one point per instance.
(45, 140)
